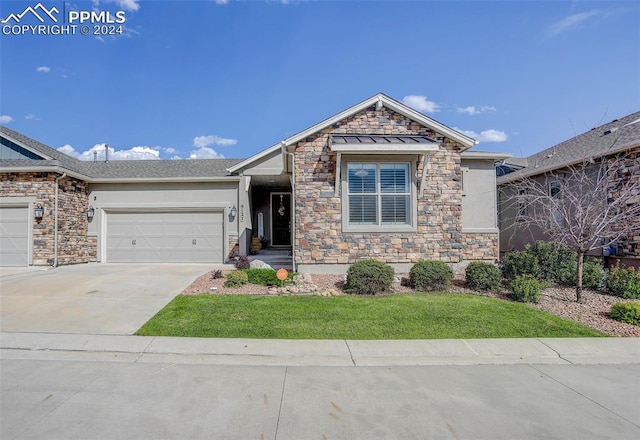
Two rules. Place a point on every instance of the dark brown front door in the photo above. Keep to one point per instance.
(281, 219)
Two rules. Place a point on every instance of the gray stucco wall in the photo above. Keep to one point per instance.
(479, 195)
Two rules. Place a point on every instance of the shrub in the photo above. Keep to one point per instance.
(592, 273)
(368, 277)
(481, 275)
(566, 266)
(242, 262)
(430, 275)
(236, 278)
(628, 312)
(519, 263)
(217, 274)
(546, 254)
(526, 288)
(624, 282)
(264, 277)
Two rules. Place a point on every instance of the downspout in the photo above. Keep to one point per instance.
(293, 214)
(55, 221)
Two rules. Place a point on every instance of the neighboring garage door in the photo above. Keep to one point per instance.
(14, 236)
(165, 237)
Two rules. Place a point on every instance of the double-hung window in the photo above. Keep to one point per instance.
(378, 195)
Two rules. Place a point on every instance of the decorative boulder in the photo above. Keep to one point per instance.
(259, 264)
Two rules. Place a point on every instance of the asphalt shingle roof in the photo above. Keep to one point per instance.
(118, 169)
(123, 169)
(617, 135)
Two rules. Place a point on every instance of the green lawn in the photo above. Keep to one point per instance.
(417, 316)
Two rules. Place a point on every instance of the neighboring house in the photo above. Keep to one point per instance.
(378, 180)
(618, 138)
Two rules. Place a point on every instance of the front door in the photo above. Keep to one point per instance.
(281, 219)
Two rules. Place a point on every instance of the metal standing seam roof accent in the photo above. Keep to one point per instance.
(116, 169)
(618, 135)
(379, 139)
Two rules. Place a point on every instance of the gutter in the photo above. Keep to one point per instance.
(55, 221)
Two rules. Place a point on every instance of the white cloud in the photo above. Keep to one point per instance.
(43, 69)
(421, 103)
(573, 21)
(490, 135)
(205, 141)
(31, 116)
(473, 110)
(5, 119)
(205, 153)
(134, 153)
(127, 5)
(169, 150)
(222, 2)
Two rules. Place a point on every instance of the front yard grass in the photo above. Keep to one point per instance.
(414, 316)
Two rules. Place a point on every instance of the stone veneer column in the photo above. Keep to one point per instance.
(73, 243)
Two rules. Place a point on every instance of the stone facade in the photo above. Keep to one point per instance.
(630, 169)
(480, 246)
(73, 244)
(319, 238)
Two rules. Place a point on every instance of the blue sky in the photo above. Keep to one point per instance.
(226, 78)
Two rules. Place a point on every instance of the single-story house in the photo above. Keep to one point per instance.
(619, 138)
(377, 180)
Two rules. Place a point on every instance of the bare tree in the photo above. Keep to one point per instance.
(585, 206)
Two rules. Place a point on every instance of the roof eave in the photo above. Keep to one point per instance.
(45, 169)
(164, 179)
(485, 155)
(508, 178)
(245, 163)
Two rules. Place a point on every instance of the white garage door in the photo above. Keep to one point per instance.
(165, 237)
(14, 236)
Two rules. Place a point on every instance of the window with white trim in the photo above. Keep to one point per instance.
(378, 194)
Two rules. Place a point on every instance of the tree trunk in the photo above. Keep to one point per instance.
(579, 276)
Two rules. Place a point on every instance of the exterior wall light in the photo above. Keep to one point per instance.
(90, 213)
(38, 212)
(234, 212)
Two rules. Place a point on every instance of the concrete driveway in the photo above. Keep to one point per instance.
(90, 298)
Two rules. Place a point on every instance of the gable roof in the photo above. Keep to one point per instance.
(383, 100)
(610, 138)
(379, 99)
(116, 170)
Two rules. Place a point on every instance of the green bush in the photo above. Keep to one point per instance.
(566, 266)
(624, 282)
(481, 275)
(552, 262)
(519, 263)
(236, 278)
(546, 254)
(430, 275)
(368, 277)
(263, 277)
(526, 288)
(592, 273)
(628, 312)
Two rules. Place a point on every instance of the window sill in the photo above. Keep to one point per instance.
(379, 229)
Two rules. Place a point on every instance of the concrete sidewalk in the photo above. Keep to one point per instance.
(319, 352)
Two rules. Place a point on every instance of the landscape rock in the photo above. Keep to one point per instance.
(259, 264)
